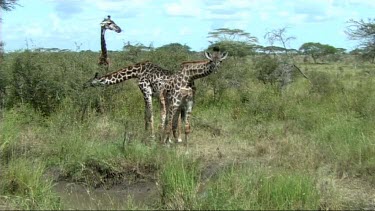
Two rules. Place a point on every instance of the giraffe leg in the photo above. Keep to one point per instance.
(189, 108)
(163, 110)
(179, 128)
(175, 123)
(149, 117)
(168, 125)
(149, 120)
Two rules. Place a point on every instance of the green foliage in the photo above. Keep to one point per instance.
(235, 48)
(24, 186)
(364, 31)
(225, 34)
(166, 56)
(11, 128)
(33, 85)
(236, 42)
(317, 50)
(265, 68)
(324, 123)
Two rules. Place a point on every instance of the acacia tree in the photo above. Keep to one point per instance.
(364, 32)
(317, 50)
(236, 41)
(8, 5)
(279, 36)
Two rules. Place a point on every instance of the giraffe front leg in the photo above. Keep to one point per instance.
(149, 118)
(168, 126)
(163, 110)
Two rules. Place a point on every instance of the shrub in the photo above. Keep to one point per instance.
(34, 85)
(265, 68)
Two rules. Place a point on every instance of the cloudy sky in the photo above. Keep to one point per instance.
(73, 24)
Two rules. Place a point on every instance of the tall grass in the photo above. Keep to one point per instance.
(179, 181)
(24, 186)
(249, 187)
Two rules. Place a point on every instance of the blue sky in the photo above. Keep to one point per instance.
(66, 24)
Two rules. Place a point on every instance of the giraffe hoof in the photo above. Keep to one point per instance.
(179, 140)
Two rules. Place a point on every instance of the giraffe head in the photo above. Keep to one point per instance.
(93, 82)
(107, 23)
(216, 57)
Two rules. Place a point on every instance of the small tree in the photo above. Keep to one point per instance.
(132, 52)
(235, 41)
(317, 50)
(170, 56)
(364, 32)
(279, 36)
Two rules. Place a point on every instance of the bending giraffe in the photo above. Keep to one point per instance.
(151, 79)
(109, 24)
(179, 93)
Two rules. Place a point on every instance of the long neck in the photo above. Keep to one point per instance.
(121, 75)
(103, 56)
(196, 70)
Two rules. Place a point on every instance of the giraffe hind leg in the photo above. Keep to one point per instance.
(186, 120)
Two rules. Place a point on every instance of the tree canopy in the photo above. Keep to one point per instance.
(236, 41)
(364, 32)
(8, 5)
(317, 50)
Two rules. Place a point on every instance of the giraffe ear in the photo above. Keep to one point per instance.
(208, 55)
(223, 56)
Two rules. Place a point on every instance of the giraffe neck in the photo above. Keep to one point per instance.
(103, 56)
(198, 69)
(121, 75)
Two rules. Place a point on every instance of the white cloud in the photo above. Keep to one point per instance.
(185, 31)
(187, 8)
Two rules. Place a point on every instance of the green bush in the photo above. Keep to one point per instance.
(33, 84)
(265, 67)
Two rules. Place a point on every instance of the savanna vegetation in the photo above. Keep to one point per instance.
(257, 142)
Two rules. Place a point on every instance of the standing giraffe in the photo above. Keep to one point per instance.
(151, 79)
(107, 23)
(179, 92)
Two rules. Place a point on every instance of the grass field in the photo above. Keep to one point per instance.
(252, 146)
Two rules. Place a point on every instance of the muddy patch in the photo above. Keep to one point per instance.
(77, 196)
(103, 186)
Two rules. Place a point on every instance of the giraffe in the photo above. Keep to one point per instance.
(107, 23)
(179, 92)
(151, 79)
